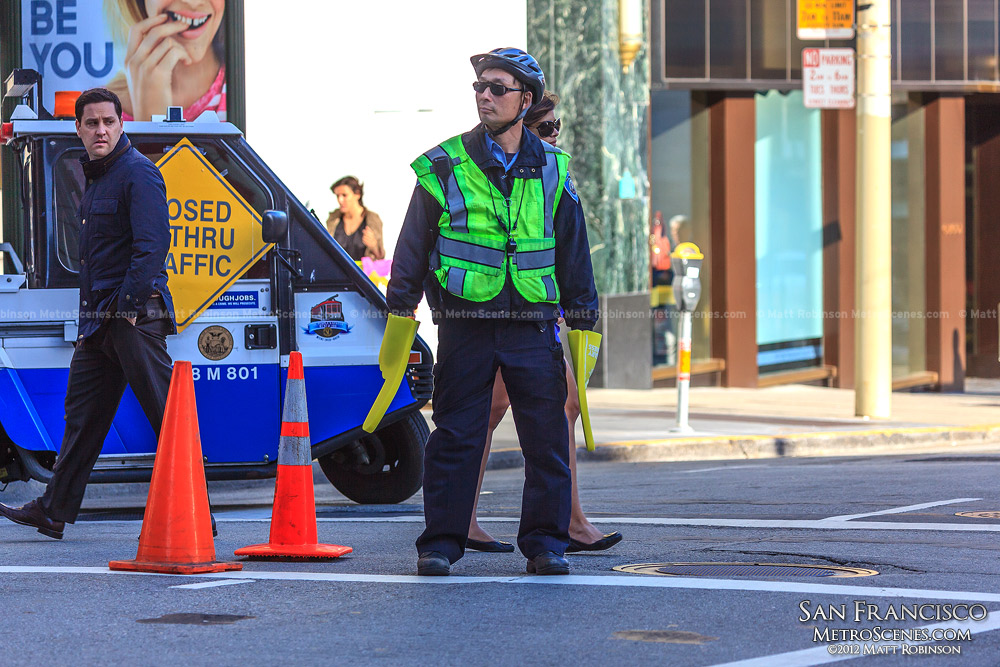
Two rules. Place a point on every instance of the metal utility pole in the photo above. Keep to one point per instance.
(873, 273)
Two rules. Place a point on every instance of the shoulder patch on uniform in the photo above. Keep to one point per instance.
(570, 189)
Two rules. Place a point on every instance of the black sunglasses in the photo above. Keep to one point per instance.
(497, 89)
(549, 127)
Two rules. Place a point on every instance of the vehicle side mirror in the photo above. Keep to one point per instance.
(275, 226)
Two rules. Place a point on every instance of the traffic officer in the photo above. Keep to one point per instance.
(495, 237)
(125, 307)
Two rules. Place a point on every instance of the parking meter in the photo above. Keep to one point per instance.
(686, 262)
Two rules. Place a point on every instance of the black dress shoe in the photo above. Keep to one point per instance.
(606, 542)
(31, 514)
(494, 547)
(548, 562)
(433, 564)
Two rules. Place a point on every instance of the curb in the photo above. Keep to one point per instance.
(742, 447)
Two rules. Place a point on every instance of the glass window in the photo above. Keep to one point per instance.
(908, 263)
(728, 58)
(949, 40)
(679, 201)
(768, 39)
(795, 50)
(68, 185)
(982, 33)
(894, 21)
(788, 199)
(684, 38)
(915, 40)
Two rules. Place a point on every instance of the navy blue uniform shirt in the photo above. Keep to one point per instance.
(412, 277)
(124, 237)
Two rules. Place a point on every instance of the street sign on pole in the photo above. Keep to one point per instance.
(828, 78)
(826, 19)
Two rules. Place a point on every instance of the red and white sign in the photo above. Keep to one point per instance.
(828, 78)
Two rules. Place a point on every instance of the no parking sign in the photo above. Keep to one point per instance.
(828, 78)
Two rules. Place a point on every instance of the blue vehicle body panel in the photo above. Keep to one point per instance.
(45, 393)
(338, 398)
(239, 420)
(21, 420)
(235, 426)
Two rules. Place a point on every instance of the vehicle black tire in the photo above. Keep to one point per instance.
(396, 468)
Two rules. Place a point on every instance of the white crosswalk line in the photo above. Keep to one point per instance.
(900, 510)
(611, 580)
(213, 584)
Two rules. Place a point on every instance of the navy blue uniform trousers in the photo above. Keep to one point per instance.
(530, 358)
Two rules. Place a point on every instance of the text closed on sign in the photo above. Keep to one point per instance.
(215, 235)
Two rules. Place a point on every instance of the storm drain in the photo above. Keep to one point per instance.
(979, 515)
(752, 570)
(195, 619)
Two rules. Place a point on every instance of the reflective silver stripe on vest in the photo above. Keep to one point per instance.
(536, 259)
(550, 288)
(469, 252)
(550, 185)
(452, 193)
(456, 280)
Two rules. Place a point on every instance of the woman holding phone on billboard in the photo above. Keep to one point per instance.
(174, 56)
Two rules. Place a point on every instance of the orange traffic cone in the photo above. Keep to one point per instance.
(293, 519)
(176, 535)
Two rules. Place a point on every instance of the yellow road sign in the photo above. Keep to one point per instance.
(826, 19)
(215, 235)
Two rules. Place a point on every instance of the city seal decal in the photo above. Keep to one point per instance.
(326, 319)
(215, 343)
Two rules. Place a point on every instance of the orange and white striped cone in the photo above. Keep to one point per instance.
(293, 519)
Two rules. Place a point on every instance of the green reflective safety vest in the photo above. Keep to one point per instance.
(483, 235)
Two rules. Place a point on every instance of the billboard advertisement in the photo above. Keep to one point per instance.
(152, 53)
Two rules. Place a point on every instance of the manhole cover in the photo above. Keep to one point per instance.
(195, 619)
(663, 636)
(765, 570)
(979, 515)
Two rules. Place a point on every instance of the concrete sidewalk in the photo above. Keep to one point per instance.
(792, 420)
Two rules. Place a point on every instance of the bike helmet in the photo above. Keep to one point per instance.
(521, 65)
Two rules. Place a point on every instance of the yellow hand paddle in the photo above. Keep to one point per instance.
(392, 359)
(584, 346)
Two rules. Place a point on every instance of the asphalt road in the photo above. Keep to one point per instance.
(893, 515)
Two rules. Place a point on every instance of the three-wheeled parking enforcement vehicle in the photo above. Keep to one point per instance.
(254, 276)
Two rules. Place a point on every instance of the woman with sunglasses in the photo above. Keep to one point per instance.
(541, 118)
(584, 536)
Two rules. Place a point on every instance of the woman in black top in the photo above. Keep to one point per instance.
(357, 229)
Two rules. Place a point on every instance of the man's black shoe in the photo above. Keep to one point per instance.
(31, 514)
(433, 564)
(548, 562)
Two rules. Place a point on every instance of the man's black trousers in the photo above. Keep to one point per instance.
(530, 359)
(119, 353)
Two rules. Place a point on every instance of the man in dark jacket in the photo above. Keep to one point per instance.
(125, 308)
(496, 238)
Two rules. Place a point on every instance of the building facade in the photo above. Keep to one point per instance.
(769, 189)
